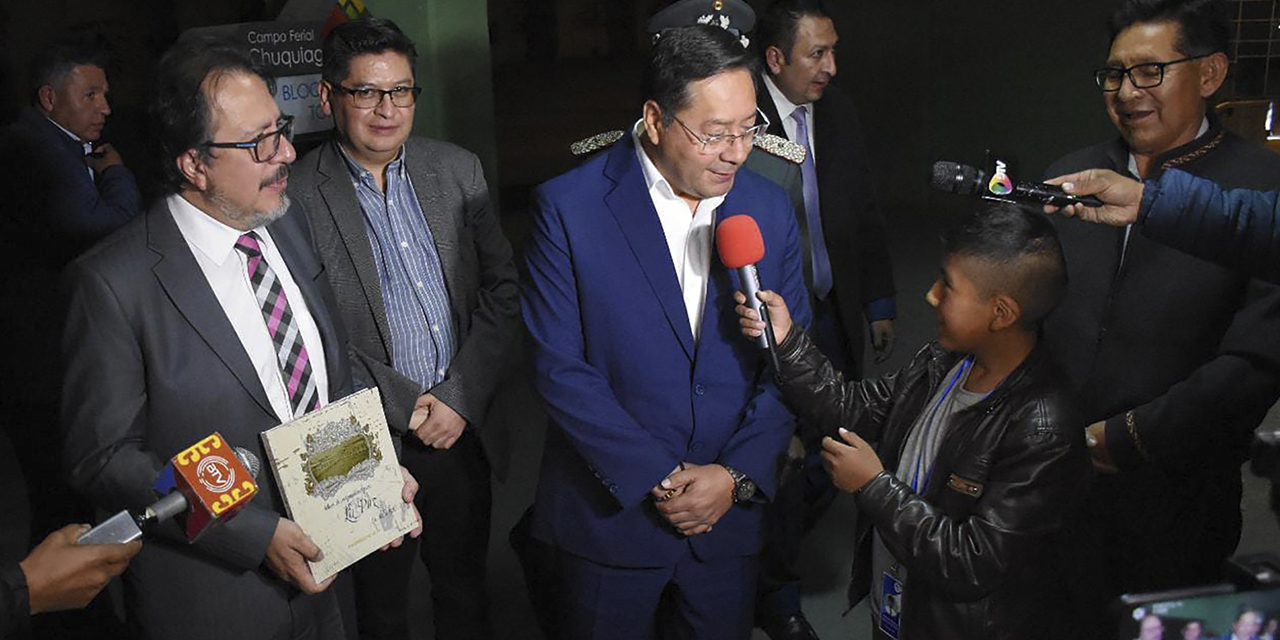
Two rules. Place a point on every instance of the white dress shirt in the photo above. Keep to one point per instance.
(688, 236)
(88, 146)
(785, 107)
(226, 268)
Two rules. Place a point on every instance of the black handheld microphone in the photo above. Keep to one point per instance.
(967, 181)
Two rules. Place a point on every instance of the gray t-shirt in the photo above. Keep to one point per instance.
(916, 465)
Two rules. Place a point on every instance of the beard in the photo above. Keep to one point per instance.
(247, 218)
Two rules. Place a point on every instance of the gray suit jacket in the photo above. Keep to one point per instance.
(154, 365)
(478, 272)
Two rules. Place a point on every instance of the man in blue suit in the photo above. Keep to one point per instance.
(666, 429)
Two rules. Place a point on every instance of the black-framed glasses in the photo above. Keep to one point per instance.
(264, 147)
(1143, 76)
(717, 142)
(369, 97)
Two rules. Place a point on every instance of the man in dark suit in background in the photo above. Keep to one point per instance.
(62, 194)
(427, 288)
(209, 312)
(72, 187)
(847, 264)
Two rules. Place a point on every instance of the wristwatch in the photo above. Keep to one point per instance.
(744, 488)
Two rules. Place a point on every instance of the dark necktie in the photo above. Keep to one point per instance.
(812, 215)
(295, 366)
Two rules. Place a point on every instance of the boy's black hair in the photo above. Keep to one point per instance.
(1024, 247)
(360, 37)
(1203, 25)
(684, 55)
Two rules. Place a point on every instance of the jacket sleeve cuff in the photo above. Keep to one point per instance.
(1150, 191)
(13, 583)
(1123, 450)
(452, 394)
(882, 309)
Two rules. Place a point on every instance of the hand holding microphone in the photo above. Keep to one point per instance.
(779, 315)
(967, 181)
(203, 484)
(1120, 196)
(740, 245)
(62, 574)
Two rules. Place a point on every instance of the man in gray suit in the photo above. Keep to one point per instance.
(426, 285)
(209, 312)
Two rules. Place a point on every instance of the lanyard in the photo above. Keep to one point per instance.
(929, 424)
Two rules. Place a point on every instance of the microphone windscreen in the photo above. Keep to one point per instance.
(955, 178)
(250, 461)
(739, 242)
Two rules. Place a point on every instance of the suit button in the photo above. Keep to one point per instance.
(613, 488)
(699, 390)
(697, 446)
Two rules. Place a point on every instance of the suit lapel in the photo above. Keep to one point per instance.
(343, 208)
(305, 269)
(764, 102)
(633, 209)
(444, 232)
(183, 281)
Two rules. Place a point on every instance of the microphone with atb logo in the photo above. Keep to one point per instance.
(997, 185)
(205, 483)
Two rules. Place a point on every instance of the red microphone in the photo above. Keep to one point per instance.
(741, 246)
(203, 484)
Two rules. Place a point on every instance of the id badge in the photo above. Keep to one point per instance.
(890, 605)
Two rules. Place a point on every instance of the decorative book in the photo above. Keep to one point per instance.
(338, 474)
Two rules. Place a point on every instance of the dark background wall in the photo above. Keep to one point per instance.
(948, 80)
(934, 80)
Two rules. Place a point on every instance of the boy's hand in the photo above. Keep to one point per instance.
(1096, 438)
(851, 465)
(753, 326)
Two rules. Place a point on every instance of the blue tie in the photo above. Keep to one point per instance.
(809, 177)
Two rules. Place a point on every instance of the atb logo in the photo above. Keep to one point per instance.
(215, 474)
(1000, 183)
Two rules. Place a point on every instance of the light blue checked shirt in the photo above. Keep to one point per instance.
(423, 336)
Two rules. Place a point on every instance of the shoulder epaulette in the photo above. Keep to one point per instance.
(767, 142)
(781, 147)
(595, 143)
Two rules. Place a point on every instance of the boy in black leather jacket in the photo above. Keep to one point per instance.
(964, 463)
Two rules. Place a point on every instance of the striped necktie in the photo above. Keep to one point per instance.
(291, 354)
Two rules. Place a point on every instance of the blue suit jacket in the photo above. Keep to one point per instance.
(629, 393)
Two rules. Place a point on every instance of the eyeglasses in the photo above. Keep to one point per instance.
(718, 142)
(264, 147)
(368, 97)
(1143, 76)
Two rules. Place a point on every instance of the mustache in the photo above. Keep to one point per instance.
(280, 174)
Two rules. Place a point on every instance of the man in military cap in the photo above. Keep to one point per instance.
(781, 159)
